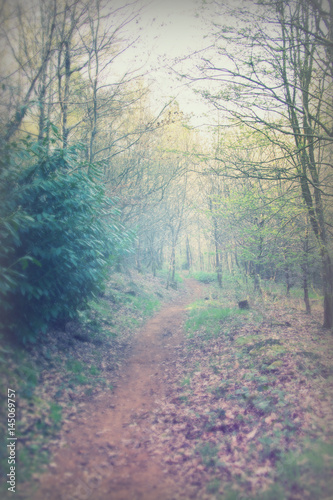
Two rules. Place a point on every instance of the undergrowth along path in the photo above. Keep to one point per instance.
(102, 455)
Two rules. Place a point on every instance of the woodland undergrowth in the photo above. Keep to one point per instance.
(56, 376)
(248, 413)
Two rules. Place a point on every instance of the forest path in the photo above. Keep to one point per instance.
(102, 455)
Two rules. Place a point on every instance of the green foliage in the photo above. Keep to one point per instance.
(231, 495)
(208, 453)
(147, 305)
(55, 413)
(204, 277)
(74, 366)
(186, 381)
(244, 374)
(309, 470)
(208, 317)
(213, 486)
(59, 231)
(29, 466)
(78, 379)
(18, 370)
(274, 492)
(94, 370)
(163, 273)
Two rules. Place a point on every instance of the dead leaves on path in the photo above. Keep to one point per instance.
(239, 405)
(236, 407)
(67, 367)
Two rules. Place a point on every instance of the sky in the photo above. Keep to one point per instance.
(168, 30)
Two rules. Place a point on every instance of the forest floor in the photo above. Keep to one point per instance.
(210, 402)
(103, 454)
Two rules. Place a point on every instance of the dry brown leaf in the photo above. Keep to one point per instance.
(251, 434)
(229, 415)
(261, 471)
(271, 418)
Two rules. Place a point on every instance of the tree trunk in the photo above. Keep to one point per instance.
(188, 255)
(172, 268)
(41, 103)
(306, 292)
(201, 261)
(257, 287)
(218, 265)
(305, 271)
(138, 256)
(328, 289)
(288, 281)
(65, 131)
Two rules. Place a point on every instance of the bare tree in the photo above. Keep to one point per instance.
(275, 78)
(27, 53)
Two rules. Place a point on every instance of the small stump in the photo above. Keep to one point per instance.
(243, 304)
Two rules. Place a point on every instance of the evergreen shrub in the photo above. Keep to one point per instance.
(58, 231)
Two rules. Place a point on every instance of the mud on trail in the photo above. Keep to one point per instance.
(103, 455)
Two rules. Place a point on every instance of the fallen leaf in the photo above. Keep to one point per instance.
(251, 434)
(270, 418)
(262, 471)
(229, 414)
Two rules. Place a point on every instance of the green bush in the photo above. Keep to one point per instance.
(204, 277)
(58, 232)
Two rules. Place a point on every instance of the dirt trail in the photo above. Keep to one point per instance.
(102, 455)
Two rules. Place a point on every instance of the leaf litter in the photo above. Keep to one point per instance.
(243, 413)
(249, 411)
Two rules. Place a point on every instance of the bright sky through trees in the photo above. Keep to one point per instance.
(168, 31)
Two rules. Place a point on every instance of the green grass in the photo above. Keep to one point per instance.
(82, 376)
(208, 318)
(213, 486)
(306, 474)
(186, 381)
(102, 307)
(163, 273)
(145, 304)
(204, 277)
(78, 379)
(20, 373)
(75, 366)
(31, 460)
(124, 306)
(237, 287)
(301, 470)
(208, 454)
(307, 471)
(298, 293)
(137, 300)
(94, 370)
(55, 413)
